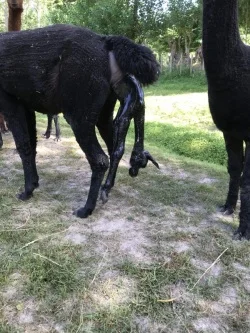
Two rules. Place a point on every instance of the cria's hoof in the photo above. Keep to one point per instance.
(133, 172)
(24, 196)
(46, 135)
(83, 212)
(226, 210)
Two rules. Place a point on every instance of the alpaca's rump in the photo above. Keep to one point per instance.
(134, 59)
(31, 61)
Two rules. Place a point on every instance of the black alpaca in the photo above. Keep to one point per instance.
(227, 65)
(72, 70)
(49, 127)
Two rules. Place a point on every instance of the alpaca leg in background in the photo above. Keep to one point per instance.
(57, 127)
(3, 128)
(235, 154)
(244, 227)
(49, 126)
(16, 116)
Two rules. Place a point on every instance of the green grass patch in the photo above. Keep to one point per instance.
(186, 141)
(173, 84)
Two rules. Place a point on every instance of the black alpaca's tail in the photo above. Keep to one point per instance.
(134, 59)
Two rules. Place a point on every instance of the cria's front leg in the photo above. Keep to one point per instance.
(127, 92)
(140, 157)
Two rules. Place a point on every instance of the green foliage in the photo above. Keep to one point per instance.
(134, 19)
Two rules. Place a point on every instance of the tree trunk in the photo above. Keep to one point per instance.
(15, 13)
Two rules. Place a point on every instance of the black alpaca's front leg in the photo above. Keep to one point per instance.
(235, 154)
(99, 162)
(1, 140)
(244, 226)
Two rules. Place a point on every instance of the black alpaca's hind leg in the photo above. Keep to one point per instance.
(244, 227)
(105, 122)
(49, 126)
(21, 123)
(98, 160)
(235, 154)
(57, 127)
(31, 124)
(1, 141)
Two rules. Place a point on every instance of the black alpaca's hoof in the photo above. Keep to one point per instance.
(83, 213)
(24, 196)
(104, 196)
(35, 184)
(226, 210)
(46, 135)
(240, 234)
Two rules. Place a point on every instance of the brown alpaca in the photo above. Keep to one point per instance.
(15, 13)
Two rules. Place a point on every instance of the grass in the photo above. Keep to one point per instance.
(153, 240)
(174, 84)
